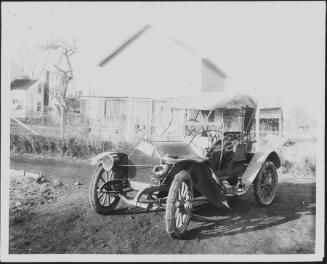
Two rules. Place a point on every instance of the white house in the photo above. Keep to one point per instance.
(151, 64)
(28, 98)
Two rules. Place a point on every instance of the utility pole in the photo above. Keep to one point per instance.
(257, 128)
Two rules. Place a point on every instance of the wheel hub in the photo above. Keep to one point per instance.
(183, 205)
(267, 184)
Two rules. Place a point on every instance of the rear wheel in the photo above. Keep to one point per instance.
(265, 185)
(102, 201)
(179, 204)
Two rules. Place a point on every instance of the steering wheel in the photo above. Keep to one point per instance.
(215, 138)
(192, 130)
(216, 131)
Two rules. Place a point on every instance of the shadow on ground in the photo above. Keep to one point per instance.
(292, 201)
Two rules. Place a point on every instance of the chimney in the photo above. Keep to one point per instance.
(46, 88)
(47, 77)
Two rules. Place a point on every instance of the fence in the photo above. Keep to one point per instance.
(74, 126)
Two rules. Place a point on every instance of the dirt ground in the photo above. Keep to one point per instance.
(59, 219)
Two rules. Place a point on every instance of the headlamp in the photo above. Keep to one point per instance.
(160, 170)
(107, 162)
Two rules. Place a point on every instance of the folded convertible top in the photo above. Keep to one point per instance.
(214, 100)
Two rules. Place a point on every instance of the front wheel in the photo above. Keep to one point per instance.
(102, 201)
(179, 204)
(265, 185)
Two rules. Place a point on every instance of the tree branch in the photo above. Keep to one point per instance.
(64, 50)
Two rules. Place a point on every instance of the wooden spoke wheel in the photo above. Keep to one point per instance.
(101, 200)
(265, 185)
(179, 204)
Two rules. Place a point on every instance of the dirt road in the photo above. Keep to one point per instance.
(69, 225)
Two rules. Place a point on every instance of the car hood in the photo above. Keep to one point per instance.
(148, 154)
(174, 148)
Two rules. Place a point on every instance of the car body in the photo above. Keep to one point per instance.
(213, 160)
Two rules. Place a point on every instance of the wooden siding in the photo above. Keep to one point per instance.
(124, 117)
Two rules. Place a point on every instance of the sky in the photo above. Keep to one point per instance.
(273, 49)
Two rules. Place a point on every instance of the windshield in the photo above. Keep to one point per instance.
(187, 131)
(182, 124)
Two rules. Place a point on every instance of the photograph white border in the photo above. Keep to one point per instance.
(5, 166)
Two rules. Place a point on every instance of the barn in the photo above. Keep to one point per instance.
(138, 77)
(122, 117)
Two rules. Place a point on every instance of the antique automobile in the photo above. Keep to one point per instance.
(212, 153)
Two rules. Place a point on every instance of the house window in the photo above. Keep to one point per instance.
(38, 106)
(39, 88)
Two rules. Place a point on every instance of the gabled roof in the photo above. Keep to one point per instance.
(123, 45)
(21, 84)
(214, 67)
(139, 33)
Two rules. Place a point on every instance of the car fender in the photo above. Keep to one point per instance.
(204, 180)
(118, 158)
(94, 160)
(98, 158)
(255, 165)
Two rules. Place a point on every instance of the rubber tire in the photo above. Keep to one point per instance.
(182, 176)
(93, 198)
(257, 180)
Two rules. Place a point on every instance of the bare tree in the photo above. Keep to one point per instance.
(64, 51)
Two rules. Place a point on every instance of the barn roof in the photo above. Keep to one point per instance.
(124, 44)
(21, 84)
(139, 33)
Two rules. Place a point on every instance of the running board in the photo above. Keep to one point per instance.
(133, 202)
(143, 189)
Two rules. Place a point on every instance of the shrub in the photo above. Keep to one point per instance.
(286, 165)
(61, 146)
(14, 143)
(308, 163)
(107, 146)
(39, 144)
(302, 167)
(25, 145)
(71, 147)
(289, 142)
(84, 149)
(52, 145)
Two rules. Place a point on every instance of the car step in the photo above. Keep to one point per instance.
(232, 190)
